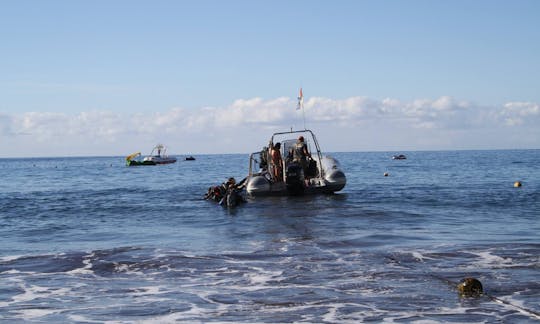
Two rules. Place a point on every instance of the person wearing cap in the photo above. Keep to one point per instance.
(301, 154)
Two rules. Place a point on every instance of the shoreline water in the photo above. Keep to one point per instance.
(94, 240)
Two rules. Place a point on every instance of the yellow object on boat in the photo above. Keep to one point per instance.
(133, 155)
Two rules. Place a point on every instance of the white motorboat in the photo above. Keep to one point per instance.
(159, 156)
(322, 174)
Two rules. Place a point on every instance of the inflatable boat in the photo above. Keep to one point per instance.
(285, 173)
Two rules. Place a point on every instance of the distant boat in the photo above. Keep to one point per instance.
(190, 158)
(157, 156)
(399, 157)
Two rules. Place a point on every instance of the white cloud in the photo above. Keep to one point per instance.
(246, 124)
(515, 113)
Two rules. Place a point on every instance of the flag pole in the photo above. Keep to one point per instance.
(303, 113)
(301, 106)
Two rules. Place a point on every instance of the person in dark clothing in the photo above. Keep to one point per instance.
(301, 155)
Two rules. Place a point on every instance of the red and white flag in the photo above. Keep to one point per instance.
(300, 100)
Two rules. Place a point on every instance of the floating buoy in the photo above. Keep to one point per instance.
(386, 174)
(517, 184)
(470, 287)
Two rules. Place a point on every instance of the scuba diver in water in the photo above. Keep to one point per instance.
(228, 193)
(233, 196)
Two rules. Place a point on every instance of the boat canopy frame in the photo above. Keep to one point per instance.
(161, 151)
(318, 157)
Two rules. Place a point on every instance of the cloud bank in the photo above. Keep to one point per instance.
(350, 124)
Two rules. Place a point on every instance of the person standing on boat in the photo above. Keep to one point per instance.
(277, 162)
(301, 154)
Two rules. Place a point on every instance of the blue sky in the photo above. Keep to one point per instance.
(106, 77)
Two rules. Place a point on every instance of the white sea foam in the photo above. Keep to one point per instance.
(330, 316)
(418, 256)
(149, 290)
(9, 258)
(487, 259)
(169, 318)
(12, 271)
(261, 276)
(407, 316)
(121, 267)
(34, 313)
(86, 269)
(516, 304)
(78, 318)
(30, 293)
(80, 271)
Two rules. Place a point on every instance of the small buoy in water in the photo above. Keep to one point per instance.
(517, 184)
(470, 287)
(386, 174)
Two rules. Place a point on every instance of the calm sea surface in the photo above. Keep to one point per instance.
(90, 240)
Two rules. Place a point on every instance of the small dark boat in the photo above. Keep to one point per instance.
(399, 157)
(190, 158)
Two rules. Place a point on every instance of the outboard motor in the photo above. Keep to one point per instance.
(294, 179)
(312, 170)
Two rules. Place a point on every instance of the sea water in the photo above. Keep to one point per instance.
(91, 240)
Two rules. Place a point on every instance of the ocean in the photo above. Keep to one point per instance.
(89, 240)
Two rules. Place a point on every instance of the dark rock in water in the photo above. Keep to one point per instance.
(470, 287)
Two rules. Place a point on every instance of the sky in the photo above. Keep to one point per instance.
(108, 78)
